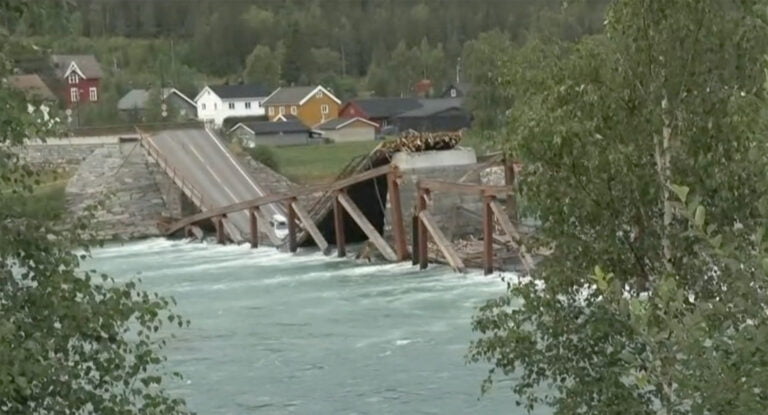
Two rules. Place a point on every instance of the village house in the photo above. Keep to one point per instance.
(311, 105)
(380, 111)
(79, 76)
(33, 87)
(458, 90)
(272, 133)
(132, 106)
(217, 103)
(342, 129)
(438, 114)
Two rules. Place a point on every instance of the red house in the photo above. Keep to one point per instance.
(79, 77)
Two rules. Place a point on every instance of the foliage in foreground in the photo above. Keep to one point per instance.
(645, 159)
(71, 342)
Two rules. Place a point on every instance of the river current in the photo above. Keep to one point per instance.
(273, 333)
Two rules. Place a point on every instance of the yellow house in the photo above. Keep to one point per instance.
(313, 105)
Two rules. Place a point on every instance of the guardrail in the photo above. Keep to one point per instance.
(188, 189)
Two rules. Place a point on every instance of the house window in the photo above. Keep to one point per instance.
(73, 78)
(215, 106)
(247, 105)
(93, 94)
(324, 109)
(453, 93)
(271, 110)
(282, 110)
(231, 105)
(319, 94)
(293, 110)
(73, 95)
(203, 106)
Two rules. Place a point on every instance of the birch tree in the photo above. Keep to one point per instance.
(645, 160)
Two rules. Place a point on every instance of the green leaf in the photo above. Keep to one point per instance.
(680, 191)
(699, 217)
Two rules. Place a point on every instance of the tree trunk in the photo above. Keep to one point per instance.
(663, 168)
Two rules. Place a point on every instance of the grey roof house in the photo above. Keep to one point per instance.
(273, 133)
(132, 105)
(344, 129)
(439, 114)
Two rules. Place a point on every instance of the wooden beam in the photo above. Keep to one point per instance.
(396, 214)
(442, 242)
(264, 200)
(421, 204)
(415, 239)
(254, 227)
(464, 188)
(509, 181)
(513, 234)
(310, 227)
(265, 228)
(292, 245)
(487, 235)
(338, 227)
(221, 234)
(366, 226)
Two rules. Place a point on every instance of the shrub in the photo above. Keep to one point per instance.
(264, 155)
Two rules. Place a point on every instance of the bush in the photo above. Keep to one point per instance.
(264, 155)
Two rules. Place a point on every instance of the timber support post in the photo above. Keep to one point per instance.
(415, 239)
(338, 226)
(221, 235)
(254, 227)
(396, 213)
(309, 226)
(488, 234)
(367, 228)
(292, 245)
(422, 239)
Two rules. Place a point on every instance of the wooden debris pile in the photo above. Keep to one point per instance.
(413, 142)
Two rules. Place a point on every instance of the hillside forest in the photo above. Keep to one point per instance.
(355, 47)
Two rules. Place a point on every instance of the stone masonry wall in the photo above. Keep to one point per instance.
(456, 215)
(59, 156)
(121, 177)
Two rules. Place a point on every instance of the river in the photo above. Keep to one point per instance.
(273, 333)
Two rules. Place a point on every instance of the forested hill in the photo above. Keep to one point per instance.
(354, 46)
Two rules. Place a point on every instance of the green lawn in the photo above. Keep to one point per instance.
(318, 163)
(47, 202)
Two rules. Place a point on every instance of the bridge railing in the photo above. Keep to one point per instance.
(187, 188)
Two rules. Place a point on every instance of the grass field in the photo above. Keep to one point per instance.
(47, 202)
(318, 163)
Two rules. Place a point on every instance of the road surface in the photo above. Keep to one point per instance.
(205, 163)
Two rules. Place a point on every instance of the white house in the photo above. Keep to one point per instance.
(217, 103)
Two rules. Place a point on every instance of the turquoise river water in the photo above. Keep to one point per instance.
(273, 333)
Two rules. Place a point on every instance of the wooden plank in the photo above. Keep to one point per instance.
(310, 227)
(487, 235)
(509, 180)
(513, 234)
(338, 227)
(292, 245)
(367, 228)
(254, 227)
(275, 198)
(442, 242)
(464, 188)
(421, 204)
(396, 214)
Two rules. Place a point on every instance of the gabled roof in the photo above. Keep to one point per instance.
(341, 122)
(236, 91)
(137, 98)
(286, 117)
(271, 127)
(385, 107)
(33, 85)
(296, 95)
(433, 106)
(85, 65)
(240, 91)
